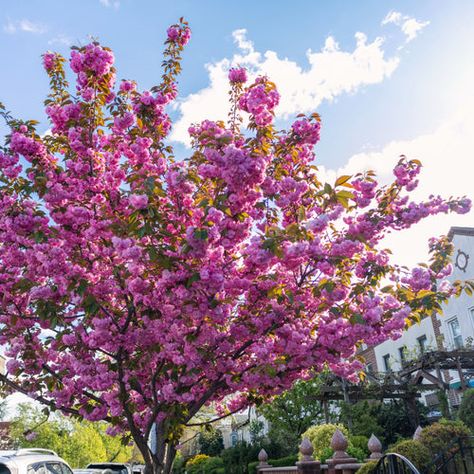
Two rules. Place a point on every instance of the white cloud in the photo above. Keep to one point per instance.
(61, 40)
(410, 26)
(27, 26)
(447, 155)
(330, 72)
(110, 3)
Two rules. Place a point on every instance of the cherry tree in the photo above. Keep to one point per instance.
(136, 288)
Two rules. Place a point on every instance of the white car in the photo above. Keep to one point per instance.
(32, 461)
(109, 467)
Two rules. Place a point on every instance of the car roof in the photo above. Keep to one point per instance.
(107, 464)
(21, 457)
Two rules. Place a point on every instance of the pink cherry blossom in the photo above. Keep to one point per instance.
(136, 288)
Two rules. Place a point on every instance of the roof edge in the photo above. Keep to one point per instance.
(460, 231)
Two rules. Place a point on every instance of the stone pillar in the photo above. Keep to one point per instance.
(307, 464)
(375, 448)
(339, 445)
(262, 458)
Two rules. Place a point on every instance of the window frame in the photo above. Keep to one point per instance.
(422, 345)
(402, 351)
(451, 332)
(36, 466)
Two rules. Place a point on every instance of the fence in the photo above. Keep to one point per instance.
(457, 458)
(339, 463)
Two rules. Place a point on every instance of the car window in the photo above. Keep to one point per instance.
(64, 469)
(56, 468)
(4, 469)
(115, 468)
(37, 468)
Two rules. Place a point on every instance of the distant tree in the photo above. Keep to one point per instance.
(77, 442)
(293, 412)
(211, 442)
(389, 421)
(363, 418)
(84, 445)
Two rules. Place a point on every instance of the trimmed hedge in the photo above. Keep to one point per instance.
(414, 451)
(320, 437)
(281, 462)
(438, 436)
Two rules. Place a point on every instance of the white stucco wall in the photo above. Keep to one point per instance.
(461, 307)
(409, 340)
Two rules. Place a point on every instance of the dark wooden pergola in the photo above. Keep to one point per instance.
(422, 374)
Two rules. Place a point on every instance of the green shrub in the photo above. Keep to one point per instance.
(368, 468)
(362, 417)
(357, 453)
(195, 465)
(352, 451)
(326, 453)
(414, 451)
(466, 410)
(212, 465)
(211, 442)
(237, 458)
(320, 437)
(360, 442)
(438, 436)
(283, 462)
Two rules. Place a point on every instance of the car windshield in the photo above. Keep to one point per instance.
(115, 468)
(4, 469)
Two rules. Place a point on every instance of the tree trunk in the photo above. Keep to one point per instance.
(160, 461)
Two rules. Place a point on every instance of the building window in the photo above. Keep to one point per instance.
(369, 368)
(403, 354)
(386, 362)
(422, 343)
(455, 331)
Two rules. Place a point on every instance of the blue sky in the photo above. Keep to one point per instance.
(403, 87)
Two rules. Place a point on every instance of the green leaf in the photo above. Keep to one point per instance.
(201, 234)
(357, 318)
(82, 287)
(90, 304)
(193, 278)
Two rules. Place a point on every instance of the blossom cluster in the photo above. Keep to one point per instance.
(260, 100)
(237, 75)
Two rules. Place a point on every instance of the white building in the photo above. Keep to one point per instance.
(238, 427)
(454, 329)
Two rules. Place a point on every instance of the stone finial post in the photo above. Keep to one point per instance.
(339, 445)
(262, 460)
(417, 433)
(307, 465)
(340, 458)
(375, 447)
